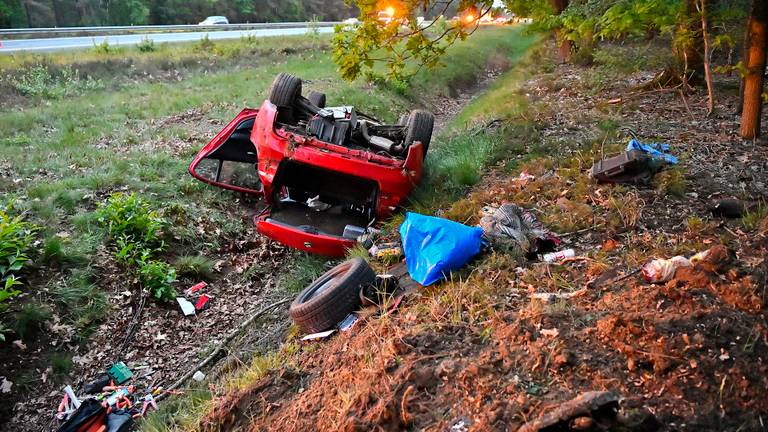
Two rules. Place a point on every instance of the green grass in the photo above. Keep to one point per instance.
(304, 268)
(194, 265)
(29, 320)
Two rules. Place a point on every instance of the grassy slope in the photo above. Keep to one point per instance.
(456, 161)
(66, 154)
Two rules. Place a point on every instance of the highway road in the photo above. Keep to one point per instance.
(84, 42)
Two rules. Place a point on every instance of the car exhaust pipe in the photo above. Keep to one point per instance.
(378, 142)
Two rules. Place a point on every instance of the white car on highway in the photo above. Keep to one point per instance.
(214, 20)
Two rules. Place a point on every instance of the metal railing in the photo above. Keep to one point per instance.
(159, 28)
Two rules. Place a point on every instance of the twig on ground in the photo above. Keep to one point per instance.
(404, 417)
(221, 346)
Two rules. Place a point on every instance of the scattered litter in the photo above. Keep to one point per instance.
(195, 288)
(120, 372)
(320, 335)
(388, 252)
(631, 167)
(348, 322)
(352, 232)
(202, 302)
(5, 385)
(149, 401)
(69, 403)
(663, 270)
(90, 416)
(20, 345)
(549, 297)
(97, 385)
(434, 246)
(510, 227)
(655, 150)
(187, 308)
(524, 177)
(119, 398)
(198, 376)
(558, 256)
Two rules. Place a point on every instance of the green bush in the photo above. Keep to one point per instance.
(40, 81)
(16, 236)
(146, 45)
(132, 223)
(157, 277)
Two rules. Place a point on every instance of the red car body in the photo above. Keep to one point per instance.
(284, 159)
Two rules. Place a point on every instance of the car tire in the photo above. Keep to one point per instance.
(420, 125)
(317, 99)
(332, 296)
(285, 89)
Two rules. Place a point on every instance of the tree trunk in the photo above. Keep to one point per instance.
(689, 54)
(752, 108)
(565, 48)
(707, 57)
(740, 105)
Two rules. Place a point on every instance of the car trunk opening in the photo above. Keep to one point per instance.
(320, 201)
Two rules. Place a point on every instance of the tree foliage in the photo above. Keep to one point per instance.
(391, 35)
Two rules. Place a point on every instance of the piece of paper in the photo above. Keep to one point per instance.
(186, 306)
(321, 335)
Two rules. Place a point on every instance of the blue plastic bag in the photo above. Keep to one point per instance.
(433, 246)
(656, 150)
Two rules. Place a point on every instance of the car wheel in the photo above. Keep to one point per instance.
(420, 125)
(317, 99)
(285, 89)
(333, 296)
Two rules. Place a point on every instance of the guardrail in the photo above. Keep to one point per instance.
(160, 28)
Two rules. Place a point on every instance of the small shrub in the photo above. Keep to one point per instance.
(195, 265)
(671, 182)
(103, 47)
(205, 44)
(753, 219)
(61, 364)
(84, 302)
(29, 320)
(146, 45)
(157, 277)
(130, 220)
(40, 81)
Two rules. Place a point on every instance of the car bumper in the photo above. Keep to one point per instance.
(321, 244)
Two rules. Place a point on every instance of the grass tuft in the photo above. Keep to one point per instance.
(29, 320)
(303, 271)
(195, 266)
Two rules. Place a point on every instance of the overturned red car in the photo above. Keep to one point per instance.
(328, 173)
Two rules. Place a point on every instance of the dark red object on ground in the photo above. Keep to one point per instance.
(324, 172)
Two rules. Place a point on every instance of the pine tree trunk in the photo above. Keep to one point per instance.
(753, 82)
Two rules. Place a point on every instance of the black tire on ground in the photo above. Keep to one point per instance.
(285, 89)
(420, 125)
(317, 99)
(403, 120)
(333, 296)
